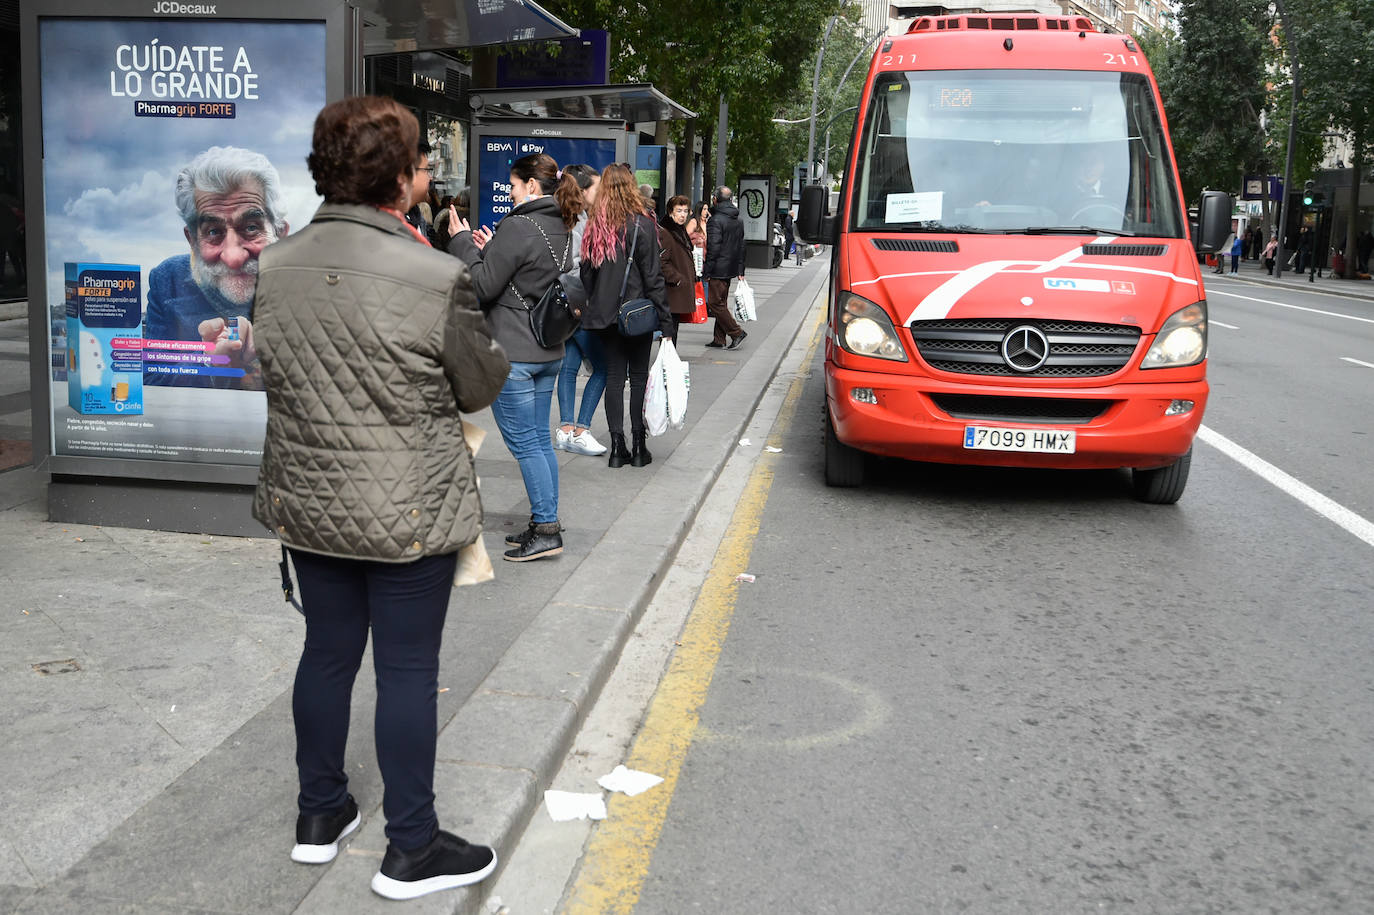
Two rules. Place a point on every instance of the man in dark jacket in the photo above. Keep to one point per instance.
(1364, 247)
(724, 261)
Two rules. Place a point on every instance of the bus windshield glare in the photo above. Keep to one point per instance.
(1015, 151)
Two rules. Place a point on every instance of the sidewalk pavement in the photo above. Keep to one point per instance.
(148, 760)
(1254, 272)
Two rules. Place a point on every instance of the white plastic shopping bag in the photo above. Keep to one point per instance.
(474, 565)
(656, 396)
(676, 382)
(744, 302)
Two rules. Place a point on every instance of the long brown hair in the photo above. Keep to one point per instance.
(617, 202)
(564, 189)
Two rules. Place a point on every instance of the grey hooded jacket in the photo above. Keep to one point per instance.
(371, 343)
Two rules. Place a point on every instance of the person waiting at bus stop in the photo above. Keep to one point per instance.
(371, 343)
(724, 262)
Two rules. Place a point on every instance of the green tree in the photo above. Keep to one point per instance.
(1335, 47)
(750, 51)
(837, 103)
(1213, 81)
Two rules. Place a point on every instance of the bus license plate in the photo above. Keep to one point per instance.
(1046, 441)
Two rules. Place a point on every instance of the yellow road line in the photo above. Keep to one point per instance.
(618, 856)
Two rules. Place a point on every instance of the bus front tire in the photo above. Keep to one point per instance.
(844, 466)
(1162, 485)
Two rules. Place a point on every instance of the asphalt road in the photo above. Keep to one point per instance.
(1284, 385)
(1006, 691)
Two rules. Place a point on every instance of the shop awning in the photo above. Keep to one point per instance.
(400, 26)
(630, 102)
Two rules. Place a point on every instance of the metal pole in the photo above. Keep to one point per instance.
(825, 158)
(815, 89)
(722, 131)
(1292, 38)
(868, 44)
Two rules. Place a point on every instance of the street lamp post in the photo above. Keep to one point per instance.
(815, 90)
(825, 156)
(840, 85)
(1292, 37)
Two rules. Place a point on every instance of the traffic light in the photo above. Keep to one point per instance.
(1309, 195)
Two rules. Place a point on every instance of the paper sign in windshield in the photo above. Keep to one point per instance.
(921, 206)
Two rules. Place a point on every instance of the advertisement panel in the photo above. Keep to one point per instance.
(650, 165)
(581, 61)
(174, 152)
(495, 153)
(754, 209)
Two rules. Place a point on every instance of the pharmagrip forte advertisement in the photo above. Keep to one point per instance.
(173, 153)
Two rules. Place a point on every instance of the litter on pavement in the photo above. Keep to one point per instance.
(771, 450)
(745, 577)
(745, 443)
(629, 781)
(569, 805)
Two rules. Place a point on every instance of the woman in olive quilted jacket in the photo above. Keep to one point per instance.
(371, 343)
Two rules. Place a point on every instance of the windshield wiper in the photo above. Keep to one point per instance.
(1074, 230)
(931, 227)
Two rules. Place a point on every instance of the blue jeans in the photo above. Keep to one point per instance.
(404, 604)
(522, 415)
(582, 343)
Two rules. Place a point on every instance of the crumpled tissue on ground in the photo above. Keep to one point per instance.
(628, 781)
(569, 805)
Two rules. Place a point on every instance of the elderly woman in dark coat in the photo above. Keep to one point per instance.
(679, 275)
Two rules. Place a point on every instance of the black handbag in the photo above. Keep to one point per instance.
(636, 317)
(554, 318)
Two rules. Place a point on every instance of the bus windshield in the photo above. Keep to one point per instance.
(1015, 151)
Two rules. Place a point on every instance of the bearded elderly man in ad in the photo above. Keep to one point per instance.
(230, 201)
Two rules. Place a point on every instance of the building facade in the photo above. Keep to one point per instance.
(1106, 15)
(1148, 17)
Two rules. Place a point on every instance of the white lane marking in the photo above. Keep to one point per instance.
(1368, 365)
(1219, 324)
(1315, 311)
(1328, 508)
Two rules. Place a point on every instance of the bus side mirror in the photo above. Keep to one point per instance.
(814, 225)
(1213, 222)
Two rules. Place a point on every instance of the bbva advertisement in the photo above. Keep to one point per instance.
(174, 152)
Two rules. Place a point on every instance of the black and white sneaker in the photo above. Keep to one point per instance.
(317, 836)
(445, 863)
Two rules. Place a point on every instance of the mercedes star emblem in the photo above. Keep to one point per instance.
(1025, 348)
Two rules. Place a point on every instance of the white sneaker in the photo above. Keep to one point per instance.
(583, 443)
(561, 439)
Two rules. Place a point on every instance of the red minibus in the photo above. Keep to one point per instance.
(1012, 277)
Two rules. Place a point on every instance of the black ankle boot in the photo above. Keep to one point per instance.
(640, 456)
(522, 536)
(546, 541)
(620, 455)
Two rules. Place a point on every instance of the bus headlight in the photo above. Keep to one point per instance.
(866, 330)
(1181, 341)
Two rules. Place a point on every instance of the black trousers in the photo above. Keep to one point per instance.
(405, 605)
(718, 304)
(625, 356)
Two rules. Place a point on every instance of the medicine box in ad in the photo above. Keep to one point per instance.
(104, 338)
